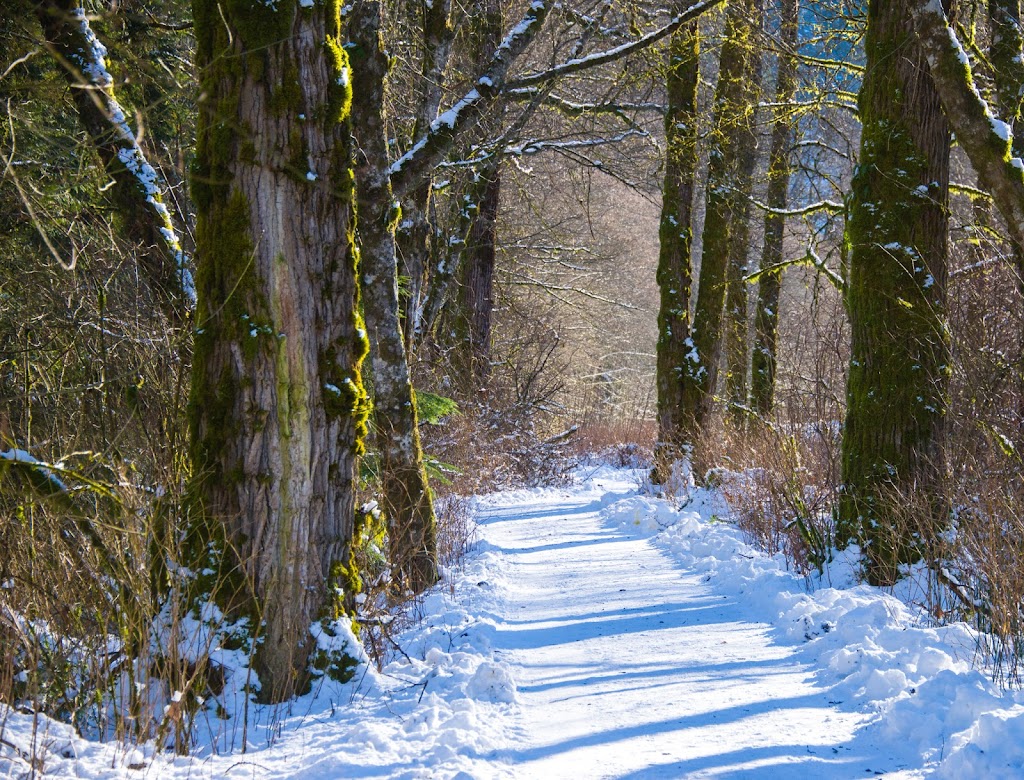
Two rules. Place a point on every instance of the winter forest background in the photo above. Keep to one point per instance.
(284, 281)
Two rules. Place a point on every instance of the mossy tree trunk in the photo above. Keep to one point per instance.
(136, 189)
(278, 410)
(766, 318)
(414, 230)
(412, 534)
(987, 143)
(675, 272)
(732, 116)
(899, 367)
(737, 331)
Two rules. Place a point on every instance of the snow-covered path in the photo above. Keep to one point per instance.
(628, 666)
(598, 633)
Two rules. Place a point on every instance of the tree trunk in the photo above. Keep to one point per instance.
(277, 409)
(1007, 56)
(766, 320)
(412, 533)
(987, 142)
(737, 335)
(414, 231)
(476, 298)
(475, 301)
(732, 117)
(136, 187)
(675, 273)
(900, 353)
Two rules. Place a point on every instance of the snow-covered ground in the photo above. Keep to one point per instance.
(599, 633)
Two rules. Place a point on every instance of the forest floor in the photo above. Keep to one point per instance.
(595, 632)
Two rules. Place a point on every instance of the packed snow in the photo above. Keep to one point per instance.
(597, 631)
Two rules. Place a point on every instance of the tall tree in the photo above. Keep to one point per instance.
(737, 330)
(733, 117)
(675, 273)
(897, 234)
(412, 536)
(474, 304)
(413, 237)
(278, 409)
(766, 318)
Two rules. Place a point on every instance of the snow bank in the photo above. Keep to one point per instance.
(876, 654)
(440, 709)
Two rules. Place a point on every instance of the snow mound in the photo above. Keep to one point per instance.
(915, 682)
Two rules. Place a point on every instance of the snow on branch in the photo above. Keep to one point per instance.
(611, 55)
(424, 155)
(986, 139)
(831, 206)
(138, 187)
(572, 108)
(810, 258)
(536, 147)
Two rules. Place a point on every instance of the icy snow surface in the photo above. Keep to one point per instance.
(599, 633)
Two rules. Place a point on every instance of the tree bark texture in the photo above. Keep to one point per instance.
(136, 188)
(412, 532)
(987, 141)
(731, 115)
(675, 273)
(766, 318)
(737, 332)
(278, 410)
(900, 352)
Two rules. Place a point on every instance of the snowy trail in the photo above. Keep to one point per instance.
(597, 633)
(629, 667)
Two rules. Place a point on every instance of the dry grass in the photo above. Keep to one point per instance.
(781, 488)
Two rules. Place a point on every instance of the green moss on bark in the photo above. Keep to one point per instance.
(899, 367)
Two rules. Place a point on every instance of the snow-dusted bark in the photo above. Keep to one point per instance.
(732, 118)
(675, 273)
(896, 297)
(766, 318)
(277, 409)
(412, 536)
(136, 187)
(986, 139)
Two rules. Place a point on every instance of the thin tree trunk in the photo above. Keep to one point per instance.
(136, 187)
(474, 303)
(477, 288)
(412, 533)
(277, 408)
(675, 273)
(700, 369)
(766, 319)
(898, 383)
(414, 230)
